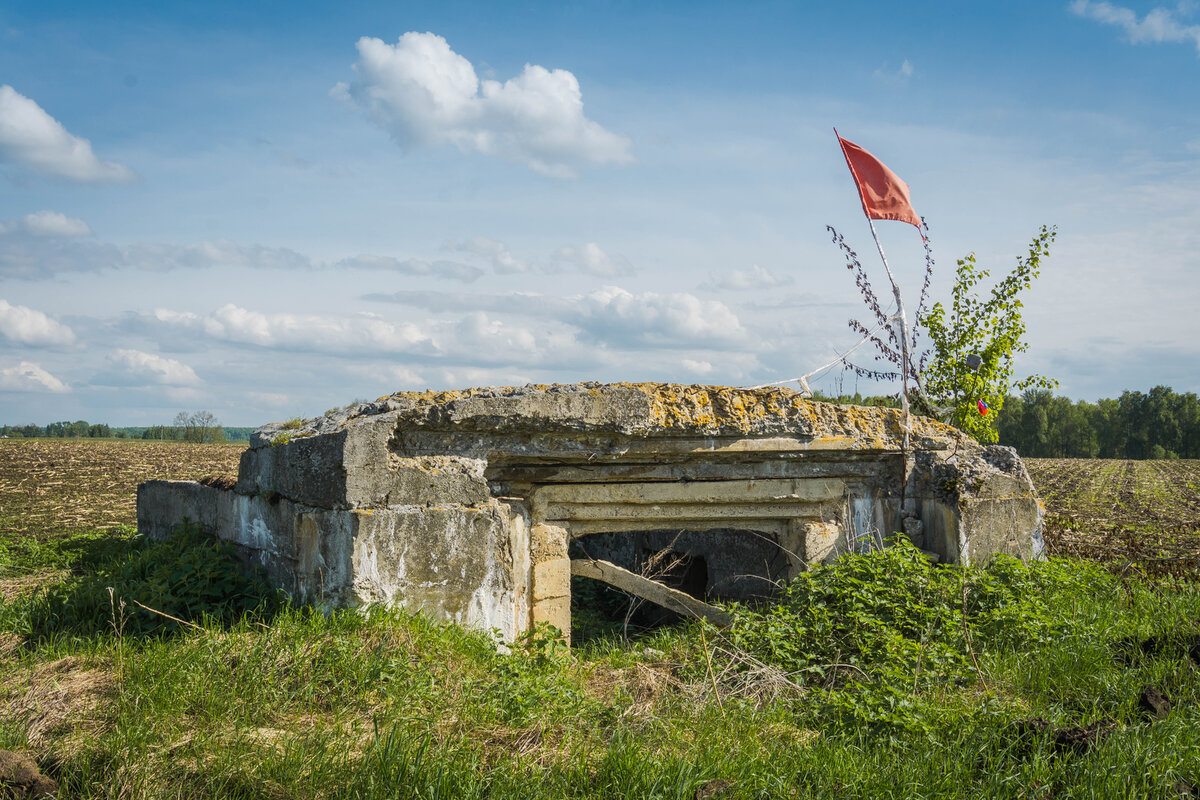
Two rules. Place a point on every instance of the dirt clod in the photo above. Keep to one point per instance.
(1154, 704)
(1076, 738)
(20, 776)
(712, 790)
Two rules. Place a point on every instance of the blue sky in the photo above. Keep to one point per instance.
(269, 209)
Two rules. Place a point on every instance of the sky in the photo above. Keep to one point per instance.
(267, 210)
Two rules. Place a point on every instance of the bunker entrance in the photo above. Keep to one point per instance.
(719, 564)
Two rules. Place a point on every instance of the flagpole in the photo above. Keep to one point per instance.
(903, 335)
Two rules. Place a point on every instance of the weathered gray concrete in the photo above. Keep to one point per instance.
(465, 504)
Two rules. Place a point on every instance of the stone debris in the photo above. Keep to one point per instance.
(464, 504)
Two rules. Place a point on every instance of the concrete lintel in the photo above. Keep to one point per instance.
(673, 514)
(581, 528)
(690, 468)
(725, 491)
(655, 592)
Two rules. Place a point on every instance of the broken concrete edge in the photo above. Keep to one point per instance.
(632, 409)
(461, 504)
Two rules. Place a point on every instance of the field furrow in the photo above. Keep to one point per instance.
(55, 487)
(1143, 512)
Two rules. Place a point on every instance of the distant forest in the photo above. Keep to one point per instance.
(81, 429)
(1136, 425)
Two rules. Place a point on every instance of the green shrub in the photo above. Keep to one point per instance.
(190, 576)
(871, 629)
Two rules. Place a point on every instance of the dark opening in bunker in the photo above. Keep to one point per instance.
(714, 565)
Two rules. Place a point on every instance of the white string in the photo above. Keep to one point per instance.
(803, 379)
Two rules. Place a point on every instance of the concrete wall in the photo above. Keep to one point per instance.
(463, 505)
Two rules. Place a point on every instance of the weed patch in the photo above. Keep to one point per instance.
(119, 586)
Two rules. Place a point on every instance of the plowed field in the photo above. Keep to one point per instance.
(56, 487)
(1146, 512)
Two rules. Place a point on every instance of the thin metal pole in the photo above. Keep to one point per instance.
(903, 336)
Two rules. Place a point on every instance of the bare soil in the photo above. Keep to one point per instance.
(57, 487)
(1142, 513)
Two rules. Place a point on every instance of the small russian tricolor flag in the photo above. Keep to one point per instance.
(983, 408)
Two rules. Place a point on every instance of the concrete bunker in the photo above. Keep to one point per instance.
(469, 505)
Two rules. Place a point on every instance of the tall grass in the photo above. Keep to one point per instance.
(882, 676)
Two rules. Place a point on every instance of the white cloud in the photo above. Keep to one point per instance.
(47, 243)
(135, 368)
(220, 253)
(34, 139)
(675, 319)
(697, 367)
(29, 377)
(609, 314)
(588, 258)
(29, 326)
(273, 399)
(405, 377)
(1159, 24)
(49, 224)
(591, 259)
(740, 280)
(503, 261)
(413, 266)
(304, 332)
(425, 94)
(34, 257)
(899, 75)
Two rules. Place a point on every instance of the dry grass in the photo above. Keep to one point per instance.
(52, 699)
(57, 487)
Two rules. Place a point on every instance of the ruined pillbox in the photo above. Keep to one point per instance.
(472, 506)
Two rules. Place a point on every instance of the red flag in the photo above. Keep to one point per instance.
(883, 194)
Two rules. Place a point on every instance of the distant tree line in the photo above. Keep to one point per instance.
(199, 426)
(80, 429)
(1158, 424)
(1136, 425)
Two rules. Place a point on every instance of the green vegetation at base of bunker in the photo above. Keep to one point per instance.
(880, 676)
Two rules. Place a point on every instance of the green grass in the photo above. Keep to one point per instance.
(282, 702)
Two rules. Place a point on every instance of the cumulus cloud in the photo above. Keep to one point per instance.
(32, 256)
(468, 338)
(1159, 24)
(135, 368)
(502, 260)
(47, 224)
(651, 319)
(301, 332)
(425, 94)
(587, 258)
(898, 75)
(47, 244)
(740, 280)
(452, 270)
(28, 377)
(221, 253)
(591, 259)
(31, 327)
(609, 314)
(33, 139)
